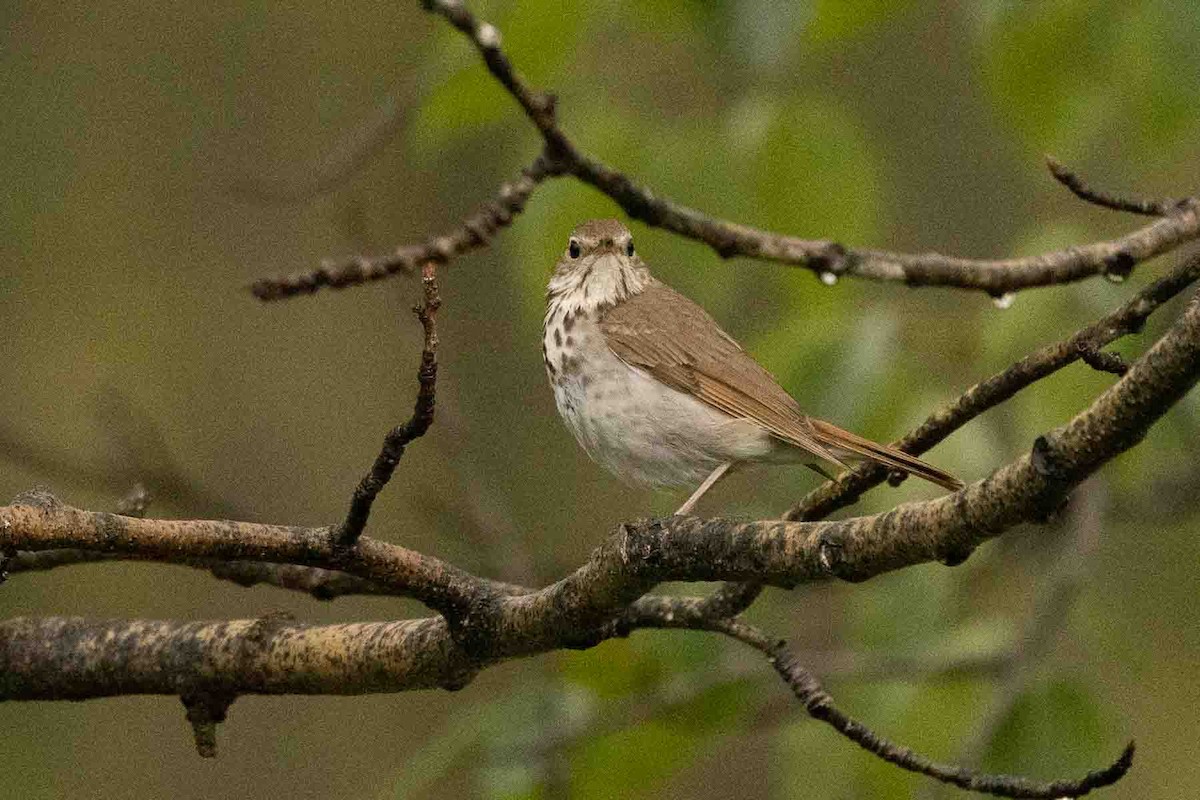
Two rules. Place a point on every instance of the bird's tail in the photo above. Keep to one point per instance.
(844, 442)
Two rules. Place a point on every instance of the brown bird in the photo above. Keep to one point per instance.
(658, 393)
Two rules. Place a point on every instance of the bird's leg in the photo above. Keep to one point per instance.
(713, 477)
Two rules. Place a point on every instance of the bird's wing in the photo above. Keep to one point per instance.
(676, 341)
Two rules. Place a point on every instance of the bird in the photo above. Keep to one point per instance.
(658, 393)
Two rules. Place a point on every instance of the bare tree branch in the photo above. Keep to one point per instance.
(490, 622)
(475, 232)
(1084, 344)
(483, 622)
(99, 659)
(1060, 587)
(209, 664)
(731, 599)
(321, 584)
(820, 705)
(1133, 205)
(1102, 360)
(1177, 222)
(416, 426)
(993, 391)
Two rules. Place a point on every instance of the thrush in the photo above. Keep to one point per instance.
(659, 394)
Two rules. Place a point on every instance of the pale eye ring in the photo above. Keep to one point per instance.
(573, 249)
(629, 248)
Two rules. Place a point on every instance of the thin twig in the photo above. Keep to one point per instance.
(843, 665)
(416, 426)
(820, 705)
(1132, 205)
(475, 232)
(320, 583)
(991, 392)
(215, 661)
(70, 658)
(1128, 318)
(1177, 221)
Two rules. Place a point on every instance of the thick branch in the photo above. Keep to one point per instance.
(493, 625)
(732, 599)
(1085, 344)
(400, 571)
(91, 658)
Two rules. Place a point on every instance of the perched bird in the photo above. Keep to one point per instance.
(658, 393)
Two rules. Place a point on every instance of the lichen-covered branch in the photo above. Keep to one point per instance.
(482, 622)
(208, 665)
(401, 571)
(490, 622)
(70, 658)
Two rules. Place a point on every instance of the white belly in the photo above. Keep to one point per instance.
(639, 429)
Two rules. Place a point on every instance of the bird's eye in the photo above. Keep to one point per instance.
(573, 249)
(629, 248)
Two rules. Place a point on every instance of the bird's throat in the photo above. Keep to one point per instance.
(595, 284)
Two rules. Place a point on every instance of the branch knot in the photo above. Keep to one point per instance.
(205, 710)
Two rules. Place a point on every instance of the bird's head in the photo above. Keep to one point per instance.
(598, 267)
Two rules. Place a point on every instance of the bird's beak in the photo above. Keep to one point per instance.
(608, 260)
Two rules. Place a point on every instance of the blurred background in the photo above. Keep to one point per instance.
(159, 157)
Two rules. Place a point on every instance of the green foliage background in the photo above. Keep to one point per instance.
(139, 141)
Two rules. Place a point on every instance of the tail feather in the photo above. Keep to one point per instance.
(836, 439)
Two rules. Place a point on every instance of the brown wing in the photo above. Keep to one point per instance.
(833, 436)
(676, 341)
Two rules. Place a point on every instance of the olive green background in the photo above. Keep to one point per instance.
(159, 157)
